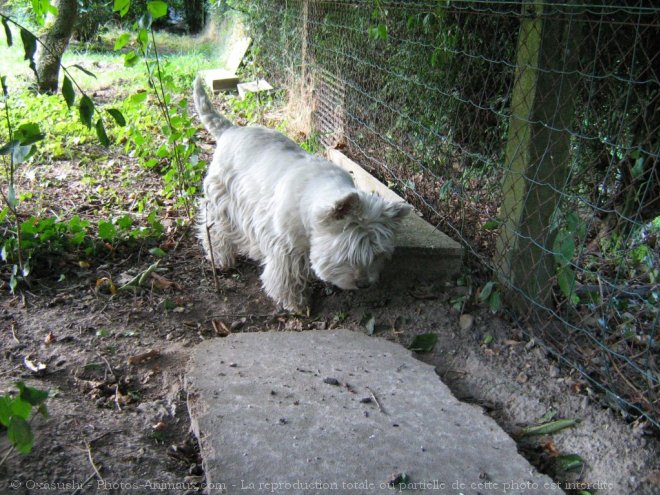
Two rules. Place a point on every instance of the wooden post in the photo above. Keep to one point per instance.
(537, 152)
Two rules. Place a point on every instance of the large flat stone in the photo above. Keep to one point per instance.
(422, 251)
(219, 79)
(340, 412)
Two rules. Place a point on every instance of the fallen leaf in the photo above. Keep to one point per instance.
(220, 328)
(145, 356)
(424, 342)
(548, 428)
(550, 448)
(568, 462)
(370, 325)
(106, 283)
(424, 293)
(32, 366)
(162, 283)
(549, 416)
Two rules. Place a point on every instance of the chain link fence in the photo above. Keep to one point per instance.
(527, 130)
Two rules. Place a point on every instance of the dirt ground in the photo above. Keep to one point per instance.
(115, 365)
(117, 426)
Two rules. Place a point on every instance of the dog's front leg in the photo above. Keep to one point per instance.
(285, 279)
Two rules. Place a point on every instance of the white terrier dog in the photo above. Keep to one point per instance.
(297, 214)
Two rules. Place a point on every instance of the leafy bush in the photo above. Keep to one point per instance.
(92, 15)
(15, 414)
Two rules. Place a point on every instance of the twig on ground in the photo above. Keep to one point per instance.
(208, 239)
(183, 236)
(108, 366)
(82, 485)
(117, 396)
(4, 458)
(91, 461)
(373, 396)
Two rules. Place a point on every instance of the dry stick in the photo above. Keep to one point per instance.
(178, 243)
(91, 461)
(640, 395)
(4, 458)
(13, 333)
(117, 396)
(82, 485)
(208, 238)
(373, 396)
(109, 367)
(89, 455)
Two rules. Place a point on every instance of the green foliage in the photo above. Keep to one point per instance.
(424, 342)
(152, 125)
(378, 16)
(162, 141)
(490, 295)
(92, 15)
(177, 146)
(15, 414)
(571, 233)
(250, 109)
(312, 144)
(41, 238)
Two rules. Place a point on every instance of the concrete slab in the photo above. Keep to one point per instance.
(253, 87)
(219, 79)
(422, 251)
(340, 412)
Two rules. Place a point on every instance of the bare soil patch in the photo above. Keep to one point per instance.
(116, 364)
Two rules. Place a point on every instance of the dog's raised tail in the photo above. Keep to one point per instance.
(212, 120)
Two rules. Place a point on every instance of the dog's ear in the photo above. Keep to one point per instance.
(397, 211)
(341, 208)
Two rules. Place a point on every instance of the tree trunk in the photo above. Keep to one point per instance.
(56, 39)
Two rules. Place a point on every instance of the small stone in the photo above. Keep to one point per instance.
(466, 322)
(331, 381)
(196, 470)
(522, 377)
(553, 372)
(235, 325)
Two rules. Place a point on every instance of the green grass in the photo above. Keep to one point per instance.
(78, 197)
(181, 56)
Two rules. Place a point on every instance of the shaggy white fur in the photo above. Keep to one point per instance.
(298, 214)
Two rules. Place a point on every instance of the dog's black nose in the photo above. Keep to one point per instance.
(363, 284)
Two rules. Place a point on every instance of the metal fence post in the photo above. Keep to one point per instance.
(537, 152)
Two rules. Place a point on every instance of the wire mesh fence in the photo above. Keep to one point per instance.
(528, 130)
